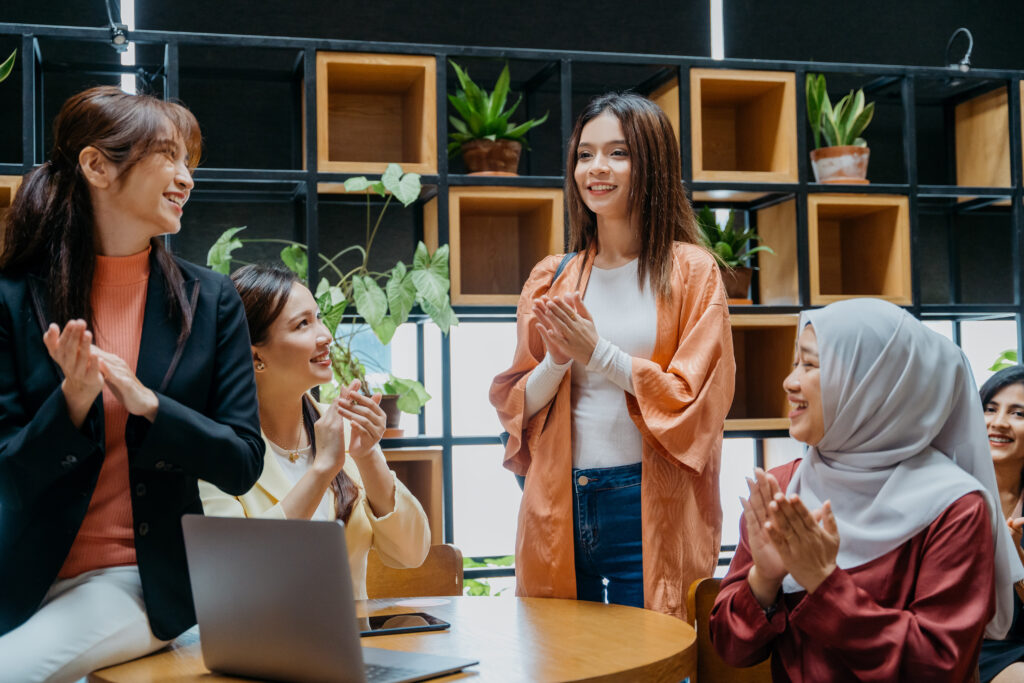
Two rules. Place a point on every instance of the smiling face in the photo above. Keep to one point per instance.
(150, 196)
(1004, 419)
(603, 167)
(296, 353)
(803, 389)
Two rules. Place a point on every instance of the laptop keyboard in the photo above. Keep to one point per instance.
(376, 673)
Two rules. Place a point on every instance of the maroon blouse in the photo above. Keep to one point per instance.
(917, 613)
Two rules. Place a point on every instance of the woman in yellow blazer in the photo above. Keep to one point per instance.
(308, 473)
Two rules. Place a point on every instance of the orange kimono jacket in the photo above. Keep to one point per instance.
(683, 394)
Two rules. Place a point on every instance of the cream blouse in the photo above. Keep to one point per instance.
(401, 537)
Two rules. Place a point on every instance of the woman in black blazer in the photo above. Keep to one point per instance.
(125, 375)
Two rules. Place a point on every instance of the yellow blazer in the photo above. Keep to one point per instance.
(402, 537)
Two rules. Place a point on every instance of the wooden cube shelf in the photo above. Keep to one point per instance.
(778, 283)
(420, 470)
(8, 187)
(374, 109)
(743, 125)
(763, 347)
(859, 246)
(497, 235)
(983, 140)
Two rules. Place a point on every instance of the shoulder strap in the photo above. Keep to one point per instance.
(562, 265)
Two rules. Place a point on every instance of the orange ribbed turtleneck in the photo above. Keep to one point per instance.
(106, 537)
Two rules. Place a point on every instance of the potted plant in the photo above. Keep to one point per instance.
(383, 300)
(7, 66)
(731, 249)
(840, 155)
(488, 142)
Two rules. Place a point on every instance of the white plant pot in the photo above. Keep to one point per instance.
(846, 164)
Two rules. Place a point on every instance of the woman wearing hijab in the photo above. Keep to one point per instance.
(882, 554)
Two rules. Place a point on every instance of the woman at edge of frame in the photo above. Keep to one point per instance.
(621, 379)
(125, 375)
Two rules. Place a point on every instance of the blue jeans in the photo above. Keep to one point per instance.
(607, 535)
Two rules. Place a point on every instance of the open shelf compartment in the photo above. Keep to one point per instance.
(982, 131)
(743, 125)
(763, 347)
(497, 235)
(8, 187)
(374, 109)
(420, 470)
(859, 246)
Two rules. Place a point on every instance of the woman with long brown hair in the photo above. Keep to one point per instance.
(124, 377)
(321, 461)
(621, 379)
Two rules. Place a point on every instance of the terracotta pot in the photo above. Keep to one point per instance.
(737, 281)
(492, 157)
(389, 404)
(846, 164)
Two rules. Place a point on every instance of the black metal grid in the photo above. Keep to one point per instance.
(300, 185)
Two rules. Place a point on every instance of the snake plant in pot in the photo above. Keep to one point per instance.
(382, 300)
(489, 143)
(840, 154)
(731, 248)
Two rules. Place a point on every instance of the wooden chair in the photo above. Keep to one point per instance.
(710, 667)
(440, 574)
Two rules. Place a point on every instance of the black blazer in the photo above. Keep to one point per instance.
(207, 427)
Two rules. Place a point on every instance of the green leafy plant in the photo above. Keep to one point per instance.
(478, 587)
(383, 300)
(484, 116)
(730, 247)
(7, 66)
(1007, 359)
(839, 125)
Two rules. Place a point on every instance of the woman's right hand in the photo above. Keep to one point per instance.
(71, 348)
(556, 347)
(768, 571)
(330, 442)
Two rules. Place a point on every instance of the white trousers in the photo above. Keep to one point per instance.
(87, 622)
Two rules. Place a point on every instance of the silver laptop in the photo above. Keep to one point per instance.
(274, 600)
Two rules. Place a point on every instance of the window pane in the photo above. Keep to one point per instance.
(983, 341)
(486, 502)
(432, 374)
(780, 451)
(479, 352)
(737, 464)
(943, 327)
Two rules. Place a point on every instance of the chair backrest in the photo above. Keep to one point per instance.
(710, 667)
(440, 574)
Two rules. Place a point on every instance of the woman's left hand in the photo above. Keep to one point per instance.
(136, 397)
(568, 322)
(366, 417)
(807, 543)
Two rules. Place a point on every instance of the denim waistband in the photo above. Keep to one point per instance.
(601, 478)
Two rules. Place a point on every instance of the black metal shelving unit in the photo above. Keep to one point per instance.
(904, 86)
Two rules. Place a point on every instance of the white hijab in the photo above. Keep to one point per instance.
(905, 437)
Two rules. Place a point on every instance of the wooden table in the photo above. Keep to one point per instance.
(515, 639)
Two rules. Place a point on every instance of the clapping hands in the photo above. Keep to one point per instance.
(87, 369)
(566, 327)
(786, 538)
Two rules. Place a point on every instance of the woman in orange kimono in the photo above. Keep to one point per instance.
(621, 380)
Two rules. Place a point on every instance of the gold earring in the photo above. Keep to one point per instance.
(260, 366)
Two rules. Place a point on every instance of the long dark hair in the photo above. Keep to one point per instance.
(264, 289)
(49, 227)
(656, 196)
(996, 383)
